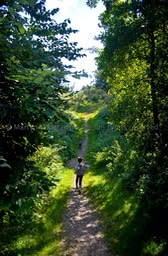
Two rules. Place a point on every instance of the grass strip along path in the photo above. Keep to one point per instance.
(82, 229)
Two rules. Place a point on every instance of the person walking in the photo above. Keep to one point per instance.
(79, 171)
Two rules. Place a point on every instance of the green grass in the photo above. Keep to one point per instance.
(41, 234)
(119, 210)
(45, 236)
(128, 226)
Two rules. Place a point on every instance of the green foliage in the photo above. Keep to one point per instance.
(128, 188)
(100, 82)
(106, 136)
(135, 43)
(92, 3)
(3, 162)
(27, 196)
(42, 234)
(127, 225)
(32, 85)
(65, 134)
(48, 160)
(32, 75)
(87, 97)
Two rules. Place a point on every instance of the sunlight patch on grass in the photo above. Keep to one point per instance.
(23, 241)
(128, 209)
(154, 248)
(46, 235)
(111, 196)
(51, 249)
(117, 208)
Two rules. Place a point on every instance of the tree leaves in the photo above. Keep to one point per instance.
(32, 77)
(135, 42)
(3, 163)
(21, 29)
(38, 80)
(92, 3)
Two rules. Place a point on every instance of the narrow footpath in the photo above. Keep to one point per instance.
(81, 227)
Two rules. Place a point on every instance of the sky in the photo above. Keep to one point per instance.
(86, 21)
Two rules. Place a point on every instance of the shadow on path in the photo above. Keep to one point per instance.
(82, 230)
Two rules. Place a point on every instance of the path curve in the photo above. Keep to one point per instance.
(81, 227)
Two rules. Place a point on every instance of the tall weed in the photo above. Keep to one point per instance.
(116, 186)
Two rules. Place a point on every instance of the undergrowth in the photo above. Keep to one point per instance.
(34, 199)
(47, 232)
(129, 226)
(124, 220)
(38, 231)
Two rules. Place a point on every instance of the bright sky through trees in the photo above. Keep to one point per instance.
(86, 21)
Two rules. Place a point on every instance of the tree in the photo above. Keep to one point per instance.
(32, 72)
(100, 81)
(133, 63)
(32, 81)
(136, 30)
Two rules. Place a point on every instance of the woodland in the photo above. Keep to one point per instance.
(42, 120)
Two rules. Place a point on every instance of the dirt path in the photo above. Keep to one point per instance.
(81, 227)
(81, 152)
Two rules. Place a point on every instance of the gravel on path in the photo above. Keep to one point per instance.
(81, 227)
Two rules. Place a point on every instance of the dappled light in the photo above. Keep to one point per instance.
(83, 173)
(82, 228)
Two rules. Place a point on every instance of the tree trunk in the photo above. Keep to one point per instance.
(153, 85)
